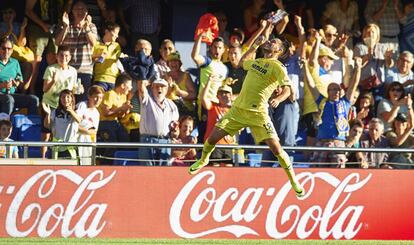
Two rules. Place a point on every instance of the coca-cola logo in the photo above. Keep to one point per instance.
(27, 212)
(247, 207)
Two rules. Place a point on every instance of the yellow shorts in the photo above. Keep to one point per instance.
(260, 123)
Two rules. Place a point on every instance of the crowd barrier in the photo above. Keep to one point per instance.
(230, 203)
(253, 158)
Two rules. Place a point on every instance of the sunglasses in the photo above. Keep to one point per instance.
(331, 34)
(396, 89)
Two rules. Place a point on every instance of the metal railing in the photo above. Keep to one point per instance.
(27, 144)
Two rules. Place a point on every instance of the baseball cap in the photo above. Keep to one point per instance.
(401, 117)
(174, 56)
(226, 88)
(327, 52)
(4, 116)
(160, 81)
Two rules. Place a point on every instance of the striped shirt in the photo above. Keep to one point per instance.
(388, 23)
(80, 49)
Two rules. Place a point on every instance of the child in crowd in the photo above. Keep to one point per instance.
(5, 132)
(63, 123)
(88, 126)
(57, 77)
(106, 54)
(181, 134)
(365, 110)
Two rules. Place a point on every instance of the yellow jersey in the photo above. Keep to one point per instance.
(112, 100)
(263, 77)
(107, 71)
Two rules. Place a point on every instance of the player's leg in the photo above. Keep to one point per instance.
(216, 135)
(285, 162)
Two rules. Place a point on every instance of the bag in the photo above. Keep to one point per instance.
(370, 82)
(22, 54)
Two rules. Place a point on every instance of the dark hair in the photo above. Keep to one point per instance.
(95, 89)
(217, 39)
(391, 86)
(66, 92)
(184, 118)
(121, 79)
(63, 48)
(356, 122)
(110, 26)
(6, 123)
(6, 39)
(237, 32)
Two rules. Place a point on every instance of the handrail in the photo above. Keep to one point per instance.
(200, 146)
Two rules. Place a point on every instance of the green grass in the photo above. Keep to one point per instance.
(189, 241)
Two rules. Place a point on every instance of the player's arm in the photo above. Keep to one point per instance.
(252, 50)
(286, 92)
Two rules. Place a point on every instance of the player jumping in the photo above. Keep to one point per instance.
(250, 109)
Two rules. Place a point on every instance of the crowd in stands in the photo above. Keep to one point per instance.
(350, 85)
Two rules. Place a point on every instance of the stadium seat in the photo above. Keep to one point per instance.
(126, 154)
(27, 128)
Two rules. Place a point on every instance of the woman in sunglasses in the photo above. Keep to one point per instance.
(395, 101)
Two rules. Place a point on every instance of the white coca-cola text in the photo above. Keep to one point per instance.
(247, 206)
(46, 220)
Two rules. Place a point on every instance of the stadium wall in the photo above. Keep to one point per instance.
(165, 202)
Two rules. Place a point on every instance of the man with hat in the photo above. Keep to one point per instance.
(250, 109)
(215, 111)
(320, 62)
(157, 112)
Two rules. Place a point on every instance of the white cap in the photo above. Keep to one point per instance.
(4, 116)
(160, 81)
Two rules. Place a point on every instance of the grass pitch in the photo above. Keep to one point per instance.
(192, 241)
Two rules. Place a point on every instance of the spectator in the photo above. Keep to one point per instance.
(10, 79)
(161, 67)
(109, 12)
(22, 53)
(63, 123)
(80, 34)
(157, 112)
(43, 18)
(373, 54)
(251, 16)
(333, 117)
(208, 65)
(236, 73)
(216, 111)
(145, 22)
(395, 101)
(184, 128)
(353, 140)
(406, 37)
(388, 15)
(343, 14)
(181, 86)
(402, 71)
(57, 77)
(6, 128)
(373, 139)
(115, 105)
(222, 23)
(365, 108)
(89, 122)
(402, 137)
(320, 63)
(105, 55)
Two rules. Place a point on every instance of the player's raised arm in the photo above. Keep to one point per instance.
(252, 50)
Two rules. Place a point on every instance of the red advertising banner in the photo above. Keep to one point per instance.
(165, 202)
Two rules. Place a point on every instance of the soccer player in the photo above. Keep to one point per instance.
(250, 109)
